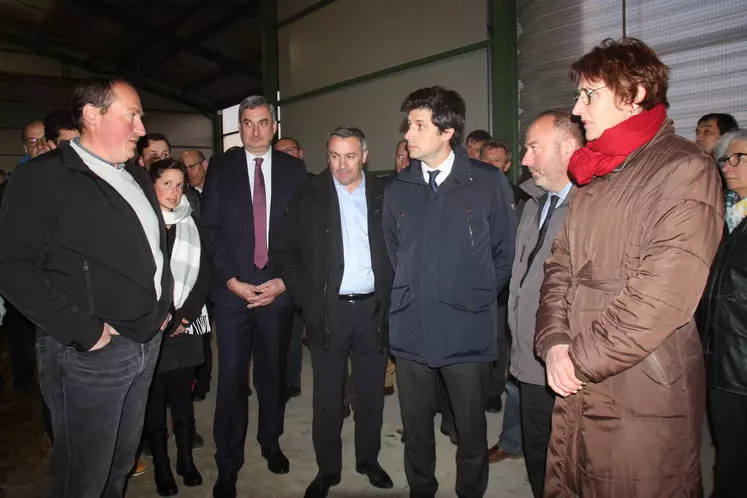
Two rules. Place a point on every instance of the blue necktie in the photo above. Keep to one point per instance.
(432, 180)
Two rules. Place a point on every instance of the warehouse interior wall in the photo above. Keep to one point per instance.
(32, 86)
(349, 39)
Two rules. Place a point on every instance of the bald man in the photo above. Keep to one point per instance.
(196, 164)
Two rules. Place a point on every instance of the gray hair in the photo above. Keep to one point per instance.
(725, 141)
(348, 131)
(254, 101)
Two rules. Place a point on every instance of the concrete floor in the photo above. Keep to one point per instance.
(507, 479)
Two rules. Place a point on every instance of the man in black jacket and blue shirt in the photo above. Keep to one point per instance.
(84, 260)
(450, 230)
(330, 252)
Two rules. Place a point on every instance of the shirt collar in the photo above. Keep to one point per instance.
(563, 193)
(265, 157)
(362, 186)
(444, 167)
(76, 141)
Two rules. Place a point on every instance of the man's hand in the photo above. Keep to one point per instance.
(181, 329)
(106, 337)
(267, 292)
(242, 289)
(561, 373)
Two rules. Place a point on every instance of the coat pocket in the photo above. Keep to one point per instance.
(401, 299)
(469, 298)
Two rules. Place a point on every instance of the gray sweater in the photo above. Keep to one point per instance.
(523, 300)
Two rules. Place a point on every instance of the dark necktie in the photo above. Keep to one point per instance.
(542, 233)
(259, 205)
(432, 180)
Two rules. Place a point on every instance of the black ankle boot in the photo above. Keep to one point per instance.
(165, 483)
(184, 430)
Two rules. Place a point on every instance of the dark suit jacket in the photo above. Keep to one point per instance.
(309, 256)
(227, 219)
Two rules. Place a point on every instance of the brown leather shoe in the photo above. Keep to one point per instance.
(495, 455)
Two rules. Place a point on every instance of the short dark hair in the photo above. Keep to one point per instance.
(565, 122)
(725, 122)
(623, 66)
(495, 144)
(144, 141)
(447, 107)
(478, 136)
(58, 119)
(348, 131)
(97, 91)
(157, 168)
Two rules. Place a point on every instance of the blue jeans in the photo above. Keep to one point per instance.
(97, 401)
(510, 438)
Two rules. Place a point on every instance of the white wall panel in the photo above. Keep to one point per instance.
(350, 38)
(191, 130)
(374, 107)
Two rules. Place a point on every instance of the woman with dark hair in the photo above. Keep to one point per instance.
(182, 349)
(615, 324)
(723, 314)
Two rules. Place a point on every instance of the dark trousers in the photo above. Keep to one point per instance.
(467, 385)
(355, 335)
(21, 334)
(295, 351)
(500, 366)
(97, 402)
(264, 333)
(536, 420)
(172, 389)
(728, 413)
(203, 374)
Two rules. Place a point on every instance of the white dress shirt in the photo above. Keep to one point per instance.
(444, 168)
(267, 172)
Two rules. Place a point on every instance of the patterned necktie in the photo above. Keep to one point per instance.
(432, 180)
(259, 203)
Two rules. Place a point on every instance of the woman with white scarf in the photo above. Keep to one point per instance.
(182, 349)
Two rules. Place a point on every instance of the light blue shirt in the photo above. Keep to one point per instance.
(358, 277)
(562, 194)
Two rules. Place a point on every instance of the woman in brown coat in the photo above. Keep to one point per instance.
(615, 323)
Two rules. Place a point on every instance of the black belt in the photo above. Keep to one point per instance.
(355, 297)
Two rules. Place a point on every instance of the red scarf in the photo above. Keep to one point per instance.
(609, 151)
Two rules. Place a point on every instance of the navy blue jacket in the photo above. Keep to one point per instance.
(452, 252)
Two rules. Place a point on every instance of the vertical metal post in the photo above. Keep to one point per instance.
(505, 79)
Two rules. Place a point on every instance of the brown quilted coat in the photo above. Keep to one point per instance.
(621, 288)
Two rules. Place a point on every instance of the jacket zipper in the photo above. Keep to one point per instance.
(89, 288)
(471, 234)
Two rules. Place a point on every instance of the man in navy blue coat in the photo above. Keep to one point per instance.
(450, 229)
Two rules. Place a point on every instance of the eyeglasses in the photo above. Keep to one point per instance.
(193, 166)
(733, 159)
(289, 150)
(585, 94)
(33, 143)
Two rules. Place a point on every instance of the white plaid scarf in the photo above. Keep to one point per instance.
(185, 260)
